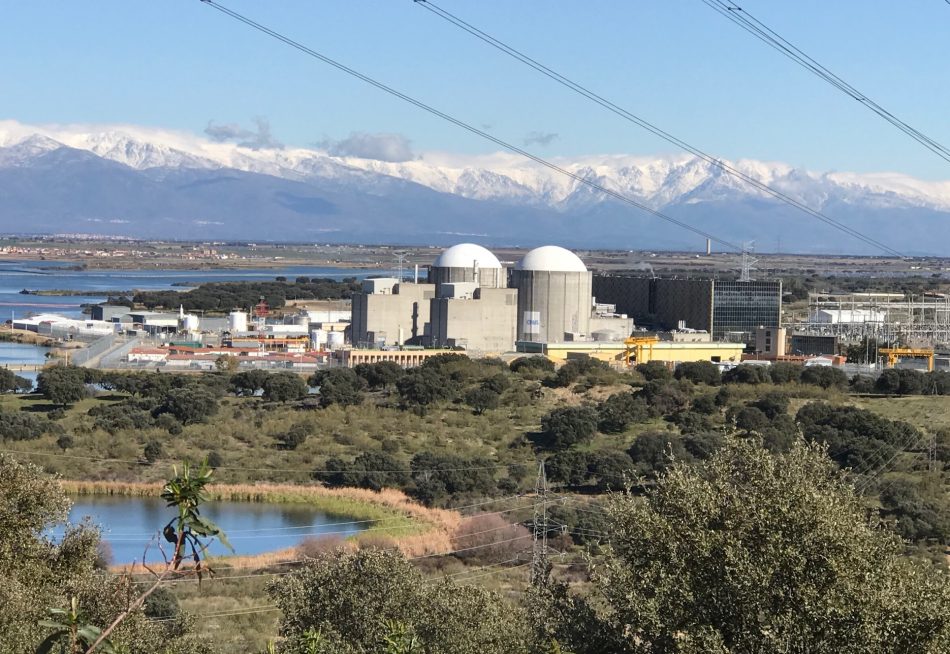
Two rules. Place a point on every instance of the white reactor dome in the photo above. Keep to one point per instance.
(465, 255)
(551, 258)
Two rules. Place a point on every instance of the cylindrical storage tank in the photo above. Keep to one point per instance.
(334, 340)
(190, 322)
(237, 321)
(302, 319)
(554, 295)
(467, 262)
(318, 338)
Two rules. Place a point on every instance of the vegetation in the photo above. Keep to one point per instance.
(225, 296)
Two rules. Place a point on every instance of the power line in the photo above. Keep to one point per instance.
(759, 30)
(470, 128)
(653, 129)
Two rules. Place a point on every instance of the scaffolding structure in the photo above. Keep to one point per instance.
(892, 318)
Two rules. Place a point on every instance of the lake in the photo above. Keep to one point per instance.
(50, 275)
(11, 353)
(130, 523)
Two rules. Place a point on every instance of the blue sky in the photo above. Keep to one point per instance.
(179, 64)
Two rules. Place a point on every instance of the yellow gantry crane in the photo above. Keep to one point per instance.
(895, 354)
(636, 346)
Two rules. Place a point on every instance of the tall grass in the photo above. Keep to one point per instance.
(415, 529)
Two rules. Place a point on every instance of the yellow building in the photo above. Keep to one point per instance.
(669, 351)
(404, 358)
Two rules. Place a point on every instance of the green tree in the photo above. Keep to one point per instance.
(620, 410)
(379, 375)
(284, 387)
(189, 405)
(825, 377)
(339, 386)
(354, 600)
(699, 372)
(569, 425)
(654, 371)
(753, 552)
(482, 399)
(424, 387)
(294, 437)
(62, 385)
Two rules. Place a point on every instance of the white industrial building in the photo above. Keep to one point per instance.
(846, 316)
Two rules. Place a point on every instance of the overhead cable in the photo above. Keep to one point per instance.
(759, 30)
(650, 127)
(470, 128)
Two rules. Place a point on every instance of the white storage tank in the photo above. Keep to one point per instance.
(302, 319)
(318, 338)
(334, 340)
(190, 322)
(237, 321)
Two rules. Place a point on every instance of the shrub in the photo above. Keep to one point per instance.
(339, 386)
(373, 470)
(653, 452)
(783, 372)
(152, 451)
(825, 377)
(294, 437)
(313, 547)
(569, 425)
(189, 405)
(21, 426)
(772, 404)
(654, 371)
(482, 399)
(699, 372)
(423, 387)
(620, 410)
(747, 373)
(489, 538)
(284, 387)
(536, 367)
(62, 385)
(379, 375)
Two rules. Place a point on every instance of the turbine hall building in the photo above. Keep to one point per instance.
(728, 310)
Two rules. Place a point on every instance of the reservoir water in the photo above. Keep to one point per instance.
(11, 353)
(129, 524)
(49, 275)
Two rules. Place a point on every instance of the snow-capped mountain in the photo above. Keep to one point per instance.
(314, 191)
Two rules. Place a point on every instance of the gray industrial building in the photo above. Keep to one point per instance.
(480, 320)
(390, 312)
(729, 310)
(554, 295)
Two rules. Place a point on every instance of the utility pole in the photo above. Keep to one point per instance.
(539, 558)
(932, 452)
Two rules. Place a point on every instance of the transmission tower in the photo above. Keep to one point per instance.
(539, 558)
(748, 262)
(400, 263)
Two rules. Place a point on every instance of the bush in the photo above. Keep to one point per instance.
(569, 425)
(284, 387)
(654, 371)
(574, 369)
(825, 377)
(294, 437)
(620, 410)
(248, 382)
(373, 470)
(489, 539)
(339, 386)
(772, 404)
(747, 373)
(21, 426)
(654, 452)
(423, 387)
(443, 476)
(783, 372)
(62, 385)
(699, 372)
(189, 405)
(482, 399)
(532, 367)
(152, 451)
(313, 547)
(900, 381)
(379, 375)
(665, 397)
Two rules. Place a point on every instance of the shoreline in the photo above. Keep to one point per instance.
(413, 529)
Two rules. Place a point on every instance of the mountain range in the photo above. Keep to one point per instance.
(149, 183)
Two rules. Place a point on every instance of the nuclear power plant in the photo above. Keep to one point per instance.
(470, 301)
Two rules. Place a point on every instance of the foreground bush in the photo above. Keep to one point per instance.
(352, 602)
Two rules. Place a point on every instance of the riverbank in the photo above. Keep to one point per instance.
(388, 514)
